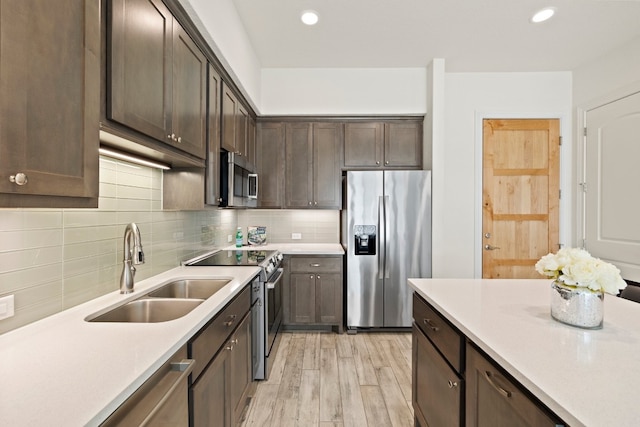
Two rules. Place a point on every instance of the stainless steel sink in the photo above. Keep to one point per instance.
(190, 288)
(149, 310)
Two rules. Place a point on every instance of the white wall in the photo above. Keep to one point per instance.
(470, 97)
(342, 91)
(220, 25)
(607, 75)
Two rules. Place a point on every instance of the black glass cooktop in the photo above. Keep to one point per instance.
(234, 257)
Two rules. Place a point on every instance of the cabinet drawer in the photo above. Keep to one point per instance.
(494, 398)
(437, 389)
(445, 337)
(203, 347)
(316, 264)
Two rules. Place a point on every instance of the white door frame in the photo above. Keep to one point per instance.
(566, 176)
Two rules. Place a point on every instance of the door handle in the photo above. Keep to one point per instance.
(490, 248)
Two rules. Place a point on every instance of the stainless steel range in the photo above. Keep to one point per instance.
(266, 300)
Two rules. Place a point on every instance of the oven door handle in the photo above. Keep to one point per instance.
(272, 284)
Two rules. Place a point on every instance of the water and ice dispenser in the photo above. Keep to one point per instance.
(365, 239)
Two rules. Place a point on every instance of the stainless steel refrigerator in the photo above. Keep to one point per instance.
(387, 236)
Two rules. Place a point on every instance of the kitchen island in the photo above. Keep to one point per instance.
(586, 377)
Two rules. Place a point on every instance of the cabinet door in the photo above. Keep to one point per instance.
(251, 141)
(363, 145)
(327, 149)
(299, 164)
(49, 102)
(210, 404)
(403, 145)
(495, 400)
(241, 367)
(140, 71)
(302, 303)
(189, 94)
(437, 389)
(242, 118)
(270, 165)
(329, 298)
(212, 190)
(229, 111)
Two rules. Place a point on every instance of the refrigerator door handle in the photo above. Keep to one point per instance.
(381, 232)
(387, 226)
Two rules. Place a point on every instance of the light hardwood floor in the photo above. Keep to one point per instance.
(325, 379)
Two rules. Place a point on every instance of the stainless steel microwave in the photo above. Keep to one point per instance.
(238, 182)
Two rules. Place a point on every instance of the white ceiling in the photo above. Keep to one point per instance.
(471, 35)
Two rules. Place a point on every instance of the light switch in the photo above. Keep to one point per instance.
(6, 307)
(296, 236)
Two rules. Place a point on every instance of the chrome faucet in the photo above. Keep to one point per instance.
(131, 257)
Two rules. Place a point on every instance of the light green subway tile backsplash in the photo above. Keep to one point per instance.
(53, 259)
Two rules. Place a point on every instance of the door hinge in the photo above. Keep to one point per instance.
(584, 131)
(560, 140)
(559, 194)
(584, 186)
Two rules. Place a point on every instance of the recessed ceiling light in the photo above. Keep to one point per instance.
(309, 17)
(543, 14)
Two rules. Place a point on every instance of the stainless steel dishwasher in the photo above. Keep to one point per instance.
(162, 400)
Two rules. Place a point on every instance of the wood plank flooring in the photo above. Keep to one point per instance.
(325, 379)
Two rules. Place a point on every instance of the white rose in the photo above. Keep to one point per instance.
(583, 272)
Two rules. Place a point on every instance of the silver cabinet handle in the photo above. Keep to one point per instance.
(179, 139)
(490, 248)
(231, 320)
(19, 178)
(452, 384)
(184, 367)
(314, 265)
(431, 325)
(387, 162)
(311, 277)
(377, 163)
(489, 377)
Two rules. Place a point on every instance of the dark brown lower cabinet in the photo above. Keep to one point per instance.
(437, 389)
(220, 394)
(494, 400)
(313, 291)
(455, 384)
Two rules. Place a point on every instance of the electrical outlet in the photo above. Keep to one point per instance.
(6, 307)
(296, 236)
(229, 238)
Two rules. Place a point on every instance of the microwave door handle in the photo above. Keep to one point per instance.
(254, 194)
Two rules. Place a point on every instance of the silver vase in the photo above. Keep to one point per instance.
(577, 306)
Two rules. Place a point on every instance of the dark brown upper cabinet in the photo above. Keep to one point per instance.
(238, 127)
(312, 166)
(383, 145)
(157, 76)
(270, 164)
(49, 103)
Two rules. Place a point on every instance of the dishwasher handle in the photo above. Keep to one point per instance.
(182, 369)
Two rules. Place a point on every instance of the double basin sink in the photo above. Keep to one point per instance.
(169, 302)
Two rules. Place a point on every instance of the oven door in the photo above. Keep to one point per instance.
(274, 308)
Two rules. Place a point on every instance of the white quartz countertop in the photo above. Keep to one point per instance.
(298, 248)
(588, 377)
(64, 371)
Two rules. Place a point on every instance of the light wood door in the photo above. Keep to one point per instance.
(520, 195)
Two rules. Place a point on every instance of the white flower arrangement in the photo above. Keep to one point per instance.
(576, 267)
